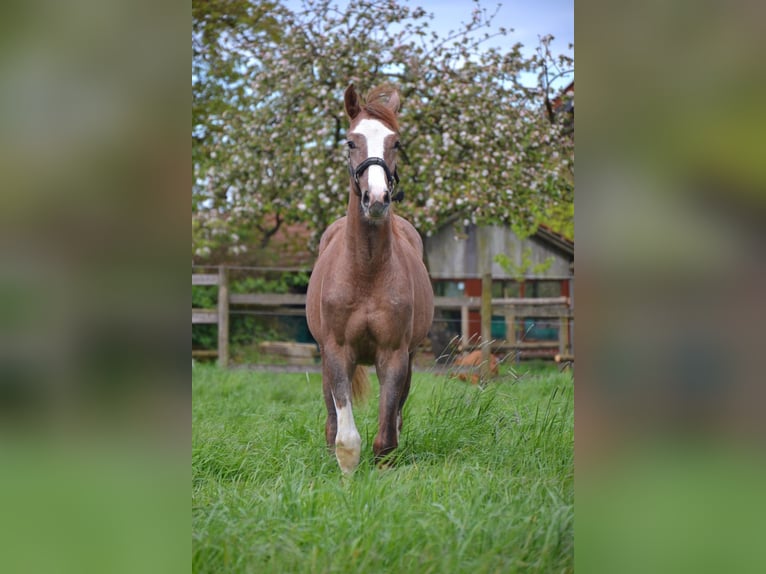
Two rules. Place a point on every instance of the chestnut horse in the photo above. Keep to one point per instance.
(369, 300)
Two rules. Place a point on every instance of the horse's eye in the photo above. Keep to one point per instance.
(398, 145)
(350, 144)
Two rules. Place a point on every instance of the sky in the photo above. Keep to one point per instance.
(528, 18)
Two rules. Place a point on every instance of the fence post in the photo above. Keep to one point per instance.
(464, 337)
(563, 335)
(510, 324)
(223, 317)
(486, 322)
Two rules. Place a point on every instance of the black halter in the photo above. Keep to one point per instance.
(391, 178)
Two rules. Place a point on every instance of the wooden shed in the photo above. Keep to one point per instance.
(540, 266)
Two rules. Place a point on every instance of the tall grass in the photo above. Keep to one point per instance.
(482, 480)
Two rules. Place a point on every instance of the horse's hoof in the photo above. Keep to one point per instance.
(348, 458)
(348, 451)
(386, 460)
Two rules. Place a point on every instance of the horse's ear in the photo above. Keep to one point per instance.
(351, 99)
(393, 101)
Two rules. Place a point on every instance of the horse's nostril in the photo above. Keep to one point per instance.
(366, 198)
(387, 198)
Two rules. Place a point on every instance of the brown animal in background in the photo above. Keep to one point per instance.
(369, 300)
(473, 359)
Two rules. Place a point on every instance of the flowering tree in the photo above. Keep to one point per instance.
(269, 126)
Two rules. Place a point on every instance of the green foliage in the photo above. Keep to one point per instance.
(247, 330)
(520, 272)
(482, 480)
(560, 218)
(204, 296)
(204, 336)
(282, 283)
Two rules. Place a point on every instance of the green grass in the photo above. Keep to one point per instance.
(482, 482)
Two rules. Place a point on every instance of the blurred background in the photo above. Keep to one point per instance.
(670, 225)
(94, 398)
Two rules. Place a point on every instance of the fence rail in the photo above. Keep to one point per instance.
(512, 309)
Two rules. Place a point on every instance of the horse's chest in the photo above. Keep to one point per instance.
(369, 320)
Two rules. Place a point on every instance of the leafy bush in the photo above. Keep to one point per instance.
(204, 336)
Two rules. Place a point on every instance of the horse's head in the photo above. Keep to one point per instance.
(373, 140)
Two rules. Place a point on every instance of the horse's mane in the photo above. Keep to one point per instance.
(375, 106)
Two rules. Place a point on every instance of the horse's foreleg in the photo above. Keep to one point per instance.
(394, 376)
(340, 429)
(331, 424)
(403, 398)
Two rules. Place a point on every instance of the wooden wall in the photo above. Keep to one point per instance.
(465, 253)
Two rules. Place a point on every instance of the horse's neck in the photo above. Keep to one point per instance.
(369, 244)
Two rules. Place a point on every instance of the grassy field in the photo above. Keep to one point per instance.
(483, 481)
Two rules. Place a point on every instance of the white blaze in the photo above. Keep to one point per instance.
(348, 442)
(375, 134)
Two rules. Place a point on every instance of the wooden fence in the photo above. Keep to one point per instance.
(294, 304)
(218, 316)
(512, 309)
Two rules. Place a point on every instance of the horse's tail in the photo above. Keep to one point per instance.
(360, 385)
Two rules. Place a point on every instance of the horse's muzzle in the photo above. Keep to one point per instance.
(376, 209)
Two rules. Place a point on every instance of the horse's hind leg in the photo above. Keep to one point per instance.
(340, 429)
(394, 377)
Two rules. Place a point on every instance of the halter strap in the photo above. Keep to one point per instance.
(391, 178)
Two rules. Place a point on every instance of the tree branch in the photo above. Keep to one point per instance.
(269, 233)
